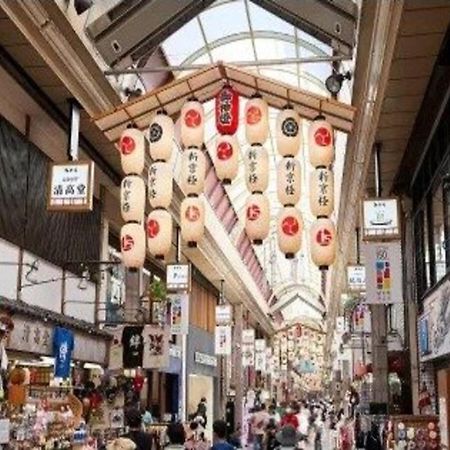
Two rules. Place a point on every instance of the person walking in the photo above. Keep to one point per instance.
(288, 437)
(133, 420)
(290, 418)
(176, 435)
(219, 436)
(259, 422)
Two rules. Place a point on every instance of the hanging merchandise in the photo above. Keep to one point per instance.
(322, 192)
(160, 185)
(132, 245)
(159, 233)
(256, 120)
(192, 220)
(132, 151)
(193, 171)
(227, 158)
(288, 181)
(257, 218)
(192, 123)
(160, 136)
(227, 110)
(290, 228)
(257, 168)
(288, 132)
(320, 141)
(323, 243)
(132, 198)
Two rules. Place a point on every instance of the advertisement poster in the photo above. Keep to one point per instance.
(179, 313)
(223, 340)
(383, 261)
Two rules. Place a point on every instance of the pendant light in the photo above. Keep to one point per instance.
(288, 181)
(159, 233)
(323, 243)
(322, 192)
(132, 245)
(289, 230)
(192, 123)
(160, 185)
(227, 110)
(132, 198)
(257, 218)
(288, 132)
(256, 120)
(257, 168)
(320, 142)
(132, 147)
(226, 159)
(193, 171)
(192, 216)
(160, 136)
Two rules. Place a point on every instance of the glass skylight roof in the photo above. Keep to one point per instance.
(238, 30)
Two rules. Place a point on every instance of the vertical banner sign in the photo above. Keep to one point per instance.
(291, 344)
(248, 347)
(269, 362)
(223, 340)
(179, 313)
(356, 278)
(284, 352)
(383, 261)
(224, 315)
(260, 355)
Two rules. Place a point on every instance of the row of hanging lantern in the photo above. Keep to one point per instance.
(193, 171)
(290, 223)
(257, 219)
(321, 156)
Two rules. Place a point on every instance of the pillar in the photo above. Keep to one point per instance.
(380, 356)
(237, 372)
(132, 302)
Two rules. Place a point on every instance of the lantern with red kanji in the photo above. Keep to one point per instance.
(323, 243)
(290, 228)
(132, 198)
(132, 146)
(193, 171)
(288, 181)
(322, 192)
(320, 142)
(288, 132)
(192, 217)
(160, 185)
(226, 159)
(227, 110)
(159, 233)
(160, 136)
(132, 245)
(257, 168)
(257, 218)
(256, 120)
(192, 123)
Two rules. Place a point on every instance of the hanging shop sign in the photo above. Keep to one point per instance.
(224, 314)
(356, 278)
(260, 355)
(179, 313)
(205, 359)
(178, 277)
(340, 324)
(223, 340)
(381, 219)
(155, 347)
(71, 186)
(227, 110)
(434, 324)
(383, 262)
(248, 347)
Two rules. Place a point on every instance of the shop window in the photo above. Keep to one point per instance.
(438, 234)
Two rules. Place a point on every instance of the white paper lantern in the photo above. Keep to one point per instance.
(256, 168)
(323, 243)
(226, 159)
(322, 192)
(289, 230)
(257, 218)
(132, 198)
(288, 132)
(288, 181)
(159, 233)
(256, 120)
(192, 216)
(192, 123)
(160, 185)
(132, 146)
(193, 171)
(160, 136)
(132, 245)
(320, 142)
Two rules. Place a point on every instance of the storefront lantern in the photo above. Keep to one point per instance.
(193, 171)
(132, 245)
(289, 230)
(257, 168)
(132, 146)
(288, 132)
(192, 220)
(323, 243)
(160, 136)
(227, 110)
(322, 192)
(256, 120)
(159, 233)
(288, 181)
(132, 198)
(320, 142)
(192, 123)
(257, 218)
(160, 185)
(227, 158)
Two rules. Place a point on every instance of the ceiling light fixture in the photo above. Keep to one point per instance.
(335, 80)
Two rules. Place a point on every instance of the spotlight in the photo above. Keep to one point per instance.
(334, 82)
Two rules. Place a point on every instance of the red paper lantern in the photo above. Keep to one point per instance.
(227, 110)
